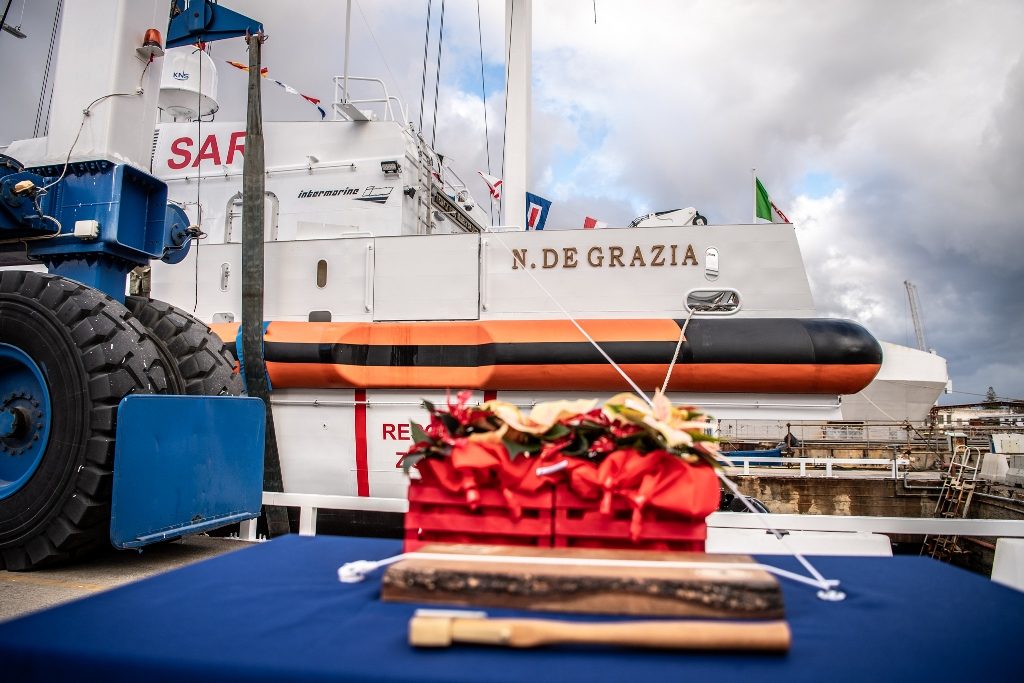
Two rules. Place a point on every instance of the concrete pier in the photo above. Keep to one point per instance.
(22, 593)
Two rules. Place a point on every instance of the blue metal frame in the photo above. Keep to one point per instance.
(202, 20)
(24, 418)
(19, 212)
(185, 464)
(136, 224)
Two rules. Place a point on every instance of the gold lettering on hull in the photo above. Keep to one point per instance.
(610, 256)
(518, 259)
(690, 256)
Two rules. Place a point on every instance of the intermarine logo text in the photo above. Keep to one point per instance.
(612, 256)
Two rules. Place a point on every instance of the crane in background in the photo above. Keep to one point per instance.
(915, 314)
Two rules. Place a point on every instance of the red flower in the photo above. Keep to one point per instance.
(555, 447)
(437, 430)
(597, 416)
(459, 409)
(623, 430)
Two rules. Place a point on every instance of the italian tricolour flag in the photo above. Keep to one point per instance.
(764, 207)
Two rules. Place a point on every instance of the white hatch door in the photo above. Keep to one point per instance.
(426, 277)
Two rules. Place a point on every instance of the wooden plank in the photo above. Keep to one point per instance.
(743, 592)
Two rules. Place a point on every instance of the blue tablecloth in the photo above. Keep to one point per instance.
(276, 612)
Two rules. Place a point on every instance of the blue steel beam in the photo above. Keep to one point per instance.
(195, 21)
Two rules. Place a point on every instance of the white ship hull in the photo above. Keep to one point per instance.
(905, 389)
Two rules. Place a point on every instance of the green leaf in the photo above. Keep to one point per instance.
(578, 447)
(557, 432)
(418, 435)
(701, 436)
(515, 449)
(450, 423)
(410, 460)
(429, 406)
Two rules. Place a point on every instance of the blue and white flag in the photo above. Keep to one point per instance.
(536, 211)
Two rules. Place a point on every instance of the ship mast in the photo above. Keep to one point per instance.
(518, 105)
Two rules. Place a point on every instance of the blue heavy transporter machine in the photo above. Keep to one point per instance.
(120, 417)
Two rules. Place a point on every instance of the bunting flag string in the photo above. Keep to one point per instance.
(264, 72)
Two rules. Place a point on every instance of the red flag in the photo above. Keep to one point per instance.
(493, 184)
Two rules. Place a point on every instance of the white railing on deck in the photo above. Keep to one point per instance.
(827, 463)
(392, 108)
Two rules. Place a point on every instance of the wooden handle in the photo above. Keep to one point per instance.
(769, 636)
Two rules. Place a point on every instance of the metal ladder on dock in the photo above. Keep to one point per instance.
(954, 501)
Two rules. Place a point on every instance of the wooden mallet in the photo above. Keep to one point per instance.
(441, 628)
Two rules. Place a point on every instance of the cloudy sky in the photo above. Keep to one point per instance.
(890, 131)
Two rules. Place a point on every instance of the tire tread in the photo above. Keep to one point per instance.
(204, 362)
(119, 357)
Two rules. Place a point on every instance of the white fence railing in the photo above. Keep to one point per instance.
(827, 463)
(309, 504)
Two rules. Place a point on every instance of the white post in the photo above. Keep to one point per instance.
(516, 173)
(348, 34)
(307, 520)
(753, 187)
(247, 530)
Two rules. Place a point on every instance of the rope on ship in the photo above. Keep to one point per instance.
(828, 589)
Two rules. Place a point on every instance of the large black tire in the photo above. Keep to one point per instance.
(92, 353)
(206, 365)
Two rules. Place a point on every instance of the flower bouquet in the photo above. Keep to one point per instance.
(569, 473)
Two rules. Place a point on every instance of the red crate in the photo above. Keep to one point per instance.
(578, 523)
(438, 516)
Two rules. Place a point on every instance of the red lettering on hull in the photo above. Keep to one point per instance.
(183, 151)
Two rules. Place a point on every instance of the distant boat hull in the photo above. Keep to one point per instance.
(906, 388)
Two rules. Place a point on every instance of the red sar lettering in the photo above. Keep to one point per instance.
(181, 151)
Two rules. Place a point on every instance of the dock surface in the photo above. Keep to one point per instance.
(25, 592)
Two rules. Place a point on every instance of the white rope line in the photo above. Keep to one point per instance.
(675, 354)
(640, 392)
(822, 582)
(863, 392)
(355, 572)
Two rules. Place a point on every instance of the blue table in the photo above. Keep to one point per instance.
(276, 612)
